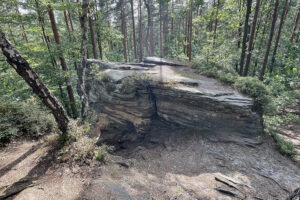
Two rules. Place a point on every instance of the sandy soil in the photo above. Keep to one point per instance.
(170, 163)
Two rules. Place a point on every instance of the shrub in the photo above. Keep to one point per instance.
(102, 152)
(255, 89)
(286, 148)
(23, 119)
(225, 74)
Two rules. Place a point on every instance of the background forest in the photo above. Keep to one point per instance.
(252, 45)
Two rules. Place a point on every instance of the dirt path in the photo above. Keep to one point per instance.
(171, 163)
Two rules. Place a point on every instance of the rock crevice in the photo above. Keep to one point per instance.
(132, 96)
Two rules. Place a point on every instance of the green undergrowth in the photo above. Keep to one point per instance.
(79, 146)
(26, 119)
(272, 98)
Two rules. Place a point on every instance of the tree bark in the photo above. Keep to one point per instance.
(23, 68)
(150, 26)
(81, 72)
(160, 29)
(62, 62)
(22, 26)
(274, 19)
(252, 34)
(295, 27)
(282, 20)
(244, 43)
(216, 23)
(123, 27)
(133, 31)
(190, 30)
(140, 31)
(166, 27)
(92, 32)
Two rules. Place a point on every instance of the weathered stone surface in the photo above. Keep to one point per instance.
(105, 189)
(162, 61)
(132, 97)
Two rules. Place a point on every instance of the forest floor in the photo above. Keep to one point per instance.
(170, 163)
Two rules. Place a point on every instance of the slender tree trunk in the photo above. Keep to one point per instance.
(67, 21)
(274, 19)
(160, 29)
(92, 32)
(150, 26)
(140, 30)
(186, 28)
(133, 31)
(98, 33)
(11, 34)
(100, 44)
(282, 20)
(172, 20)
(190, 31)
(244, 43)
(295, 27)
(81, 72)
(23, 68)
(123, 27)
(216, 23)
(251, 40)
(22, 26)
(62, 62)
(165, 28)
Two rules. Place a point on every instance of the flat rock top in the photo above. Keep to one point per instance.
(179, 75)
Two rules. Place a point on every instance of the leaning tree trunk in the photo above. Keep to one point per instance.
(82, 69)
(262, 73)
(23, 68)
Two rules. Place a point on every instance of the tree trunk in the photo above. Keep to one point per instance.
(252, 34)
(166, 28)
(274, 19)
(123, 27)
(100, 44)
(190, 31)
(11, 34)
(21, 25)
(295, 27)
(81, 72)
(67, 22)
(150, 26)
(172, 20)
(62, 62)
(160, 29)
(92, 32)
(216, 23)
(133, 31)
(140, 31)
(244, 43)
(282, 20)
(23, 68)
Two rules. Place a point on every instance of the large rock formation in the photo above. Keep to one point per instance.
(128, 97)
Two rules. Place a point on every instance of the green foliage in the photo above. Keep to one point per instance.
(102, 152)
(286, 148)
(254, 88)
(224, 74)
(23, 119)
